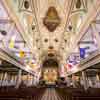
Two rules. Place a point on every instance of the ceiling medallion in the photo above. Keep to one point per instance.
(51, 20)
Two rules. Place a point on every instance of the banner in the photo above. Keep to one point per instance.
(12, 42)
(82, 52)
(22, 54)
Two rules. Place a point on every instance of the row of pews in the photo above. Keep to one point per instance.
(48, 93)
(79, 93)
(21, 93)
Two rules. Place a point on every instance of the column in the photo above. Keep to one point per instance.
(84, 78)
(18, 81)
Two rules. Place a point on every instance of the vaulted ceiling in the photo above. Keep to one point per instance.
(48, 26)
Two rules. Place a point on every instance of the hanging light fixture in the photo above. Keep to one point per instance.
(78, 4)
(51, 19)
(26, 4)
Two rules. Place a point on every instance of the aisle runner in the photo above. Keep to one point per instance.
(50, 94)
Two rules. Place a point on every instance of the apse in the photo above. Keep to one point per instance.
(50, 63)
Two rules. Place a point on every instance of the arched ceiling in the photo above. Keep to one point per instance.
(34, 26)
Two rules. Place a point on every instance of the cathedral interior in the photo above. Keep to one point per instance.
(49, 49)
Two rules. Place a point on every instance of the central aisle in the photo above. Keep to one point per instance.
(51, 94)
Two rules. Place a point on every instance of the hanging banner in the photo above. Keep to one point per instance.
(74, 58)
(82, 52)
(12, 42)
(22, 54)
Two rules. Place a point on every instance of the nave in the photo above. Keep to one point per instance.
(49, 49)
